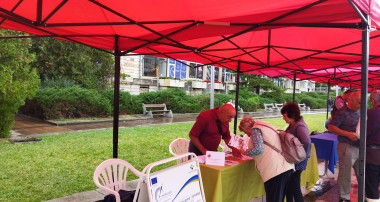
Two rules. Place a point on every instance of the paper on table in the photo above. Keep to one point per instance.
(215, 158)
(231, 162)
(238, 142)
(202, 159)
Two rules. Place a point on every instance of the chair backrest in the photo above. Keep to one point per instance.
(179, 146)
(111, 176)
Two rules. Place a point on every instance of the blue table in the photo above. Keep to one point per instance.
(325, 145)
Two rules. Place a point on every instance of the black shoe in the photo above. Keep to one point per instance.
(344, 200)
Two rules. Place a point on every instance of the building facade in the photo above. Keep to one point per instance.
(141, 74)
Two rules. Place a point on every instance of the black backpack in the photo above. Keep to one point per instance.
(125, 196)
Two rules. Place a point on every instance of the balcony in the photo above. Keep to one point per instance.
(172, 83)
(199, 84)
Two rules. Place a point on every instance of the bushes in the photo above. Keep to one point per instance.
(314, 100)
(71, 102)
(175, 99)
(77, 102)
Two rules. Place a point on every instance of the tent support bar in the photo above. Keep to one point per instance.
(364, 19)
(363, 108)
(212, 85)
(116, 98)
(328, 96)
(39, 12)
(294, 87)
(324, 25)
(237, 95)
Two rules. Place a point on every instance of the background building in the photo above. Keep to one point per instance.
(141, 74)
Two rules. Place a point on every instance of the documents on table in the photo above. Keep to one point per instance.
(202, 159)
(238, 141)
(231, 162)
(215, 158)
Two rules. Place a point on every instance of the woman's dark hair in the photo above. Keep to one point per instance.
(292, 110)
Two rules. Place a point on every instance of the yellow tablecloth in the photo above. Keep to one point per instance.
(242, 182)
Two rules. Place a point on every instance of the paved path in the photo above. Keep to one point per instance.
(32, 127)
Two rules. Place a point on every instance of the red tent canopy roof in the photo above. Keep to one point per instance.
(273, 37)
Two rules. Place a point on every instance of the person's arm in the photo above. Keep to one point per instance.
(197, 129)
(197, 143)
(256, 143)
(338, 131)
(304, 136)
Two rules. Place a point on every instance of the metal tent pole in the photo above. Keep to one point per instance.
(212, 80)
(237, 95)
(328, 96)
(363, 107)
(294, 87)
(116, 98)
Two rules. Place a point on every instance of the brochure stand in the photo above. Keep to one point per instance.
(182, 182)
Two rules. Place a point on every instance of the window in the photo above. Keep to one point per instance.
(154, 65)
(216, 73)
(200, 72)
(196, 71)
(226, 75)
(177, 69)
(193, 70)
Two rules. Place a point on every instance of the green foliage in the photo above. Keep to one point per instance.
(128, 104)
(314, 100)
(72, 102)
(58, 82)
(124, 75)
(18, 80)
(175, 99)
(77, 102)
(85, 66)
(259, 82)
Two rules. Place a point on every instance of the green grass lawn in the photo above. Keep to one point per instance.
(62, 165)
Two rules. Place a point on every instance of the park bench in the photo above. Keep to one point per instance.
(279, 106)
(269, 107)
(156, 109)
(302, 106)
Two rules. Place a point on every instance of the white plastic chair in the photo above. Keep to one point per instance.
(111, 176)
(179, 146)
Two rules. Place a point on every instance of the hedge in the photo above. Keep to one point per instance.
(77, 102)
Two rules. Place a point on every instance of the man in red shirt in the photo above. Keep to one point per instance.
(210, 127)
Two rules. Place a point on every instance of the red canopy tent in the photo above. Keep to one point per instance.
(320, 40)
(275, 38)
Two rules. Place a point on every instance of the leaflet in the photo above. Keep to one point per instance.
(239, 142)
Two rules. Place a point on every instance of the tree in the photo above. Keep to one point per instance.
(61, 60)
(258, 82)
(18, 80)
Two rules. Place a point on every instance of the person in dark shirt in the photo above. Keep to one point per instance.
(330, 102)
(372, 176)
(343, 124)
(292, 115)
